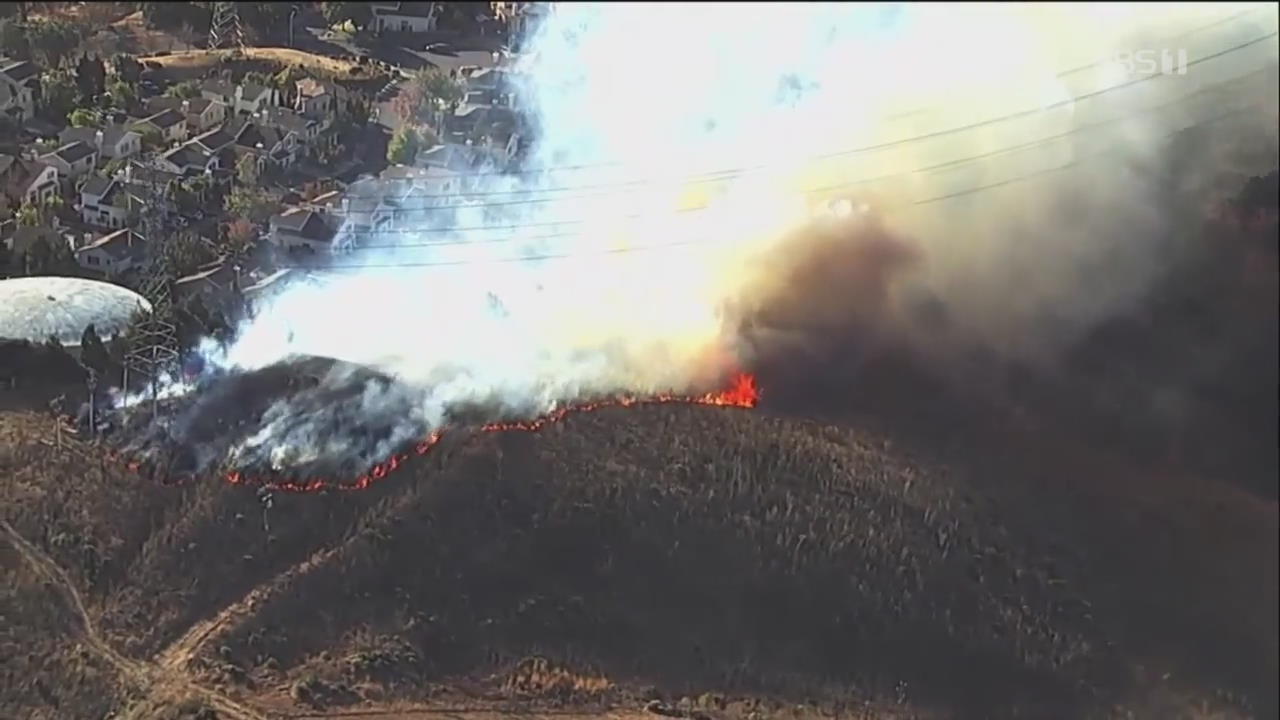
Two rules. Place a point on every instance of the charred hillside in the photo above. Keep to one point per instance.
(687, 549)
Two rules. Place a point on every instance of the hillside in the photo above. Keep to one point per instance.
(648, 552)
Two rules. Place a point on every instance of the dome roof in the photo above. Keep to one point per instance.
(37, 308)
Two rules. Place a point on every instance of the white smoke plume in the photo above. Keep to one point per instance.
(675, 142)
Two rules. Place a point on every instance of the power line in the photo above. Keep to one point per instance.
(730, 173)
(948, 165)
(704, 241)
(911, 113)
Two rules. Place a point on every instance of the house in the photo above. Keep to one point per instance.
(268, 145)
(114, 253)
(491, 87)
(169, 124)
(211, 279)
(318, 99)
(188, 160)
(419, 17)
(73, 160)
(203, 114)
(155, 181)
(521, 18)
(374, 204)
(103, 202)
(242, 99)
(290, 121)
(115, 141)
(24, 181)
(213, 141)
(18, 82)
(492, 128)
(219, 91)
(448, 167)
(264, 288)
(298, 229)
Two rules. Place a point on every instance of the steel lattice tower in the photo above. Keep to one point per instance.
(225, 31)
(154, 348)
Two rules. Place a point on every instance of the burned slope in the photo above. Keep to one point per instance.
(304, 417)
(688, 548)
(691, 549)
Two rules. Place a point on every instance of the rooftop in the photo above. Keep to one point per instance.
(165, 119)
(307, 224)
(20, 71)
(120, 245)
(74, 152)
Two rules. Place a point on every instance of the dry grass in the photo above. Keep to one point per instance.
(197, 62)
(685, 550)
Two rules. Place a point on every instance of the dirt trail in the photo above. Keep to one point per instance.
(158, 683)
(182, 651)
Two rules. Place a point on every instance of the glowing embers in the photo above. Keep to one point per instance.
(742, 392)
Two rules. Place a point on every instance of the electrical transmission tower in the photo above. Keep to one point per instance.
(225, 31)
(154, 348)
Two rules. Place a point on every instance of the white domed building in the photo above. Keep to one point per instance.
(35, 309)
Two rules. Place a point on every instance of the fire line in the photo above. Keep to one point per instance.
(742, 392)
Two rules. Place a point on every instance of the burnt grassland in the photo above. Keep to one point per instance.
(664, 552)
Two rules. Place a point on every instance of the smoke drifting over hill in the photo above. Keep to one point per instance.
(998, 182)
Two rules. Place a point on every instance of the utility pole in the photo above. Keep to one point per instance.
(92, 383)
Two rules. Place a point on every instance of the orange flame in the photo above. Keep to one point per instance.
(742, 392)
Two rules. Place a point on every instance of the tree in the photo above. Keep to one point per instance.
(337, 13)
(359, 111)
(241, 236)
(28, 215)
(247, 170)
(429, 90)
(122, 94)
(286, 81)
(93, 352)
(250, 202)
(151, 137)
(173, 15)
(189, 193)
(263, 18)
(184, 90)
(126, 67)
(82, 117)
(439, 86)
(50, 256)
(58, 92)
(183, 254)
(52, 40)
(113, 166)
(404, 146)
(13, 38)
(91, 77)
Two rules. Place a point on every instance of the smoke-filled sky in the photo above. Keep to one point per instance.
(688, 151)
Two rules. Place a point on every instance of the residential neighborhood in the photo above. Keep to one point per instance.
(235, 177)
